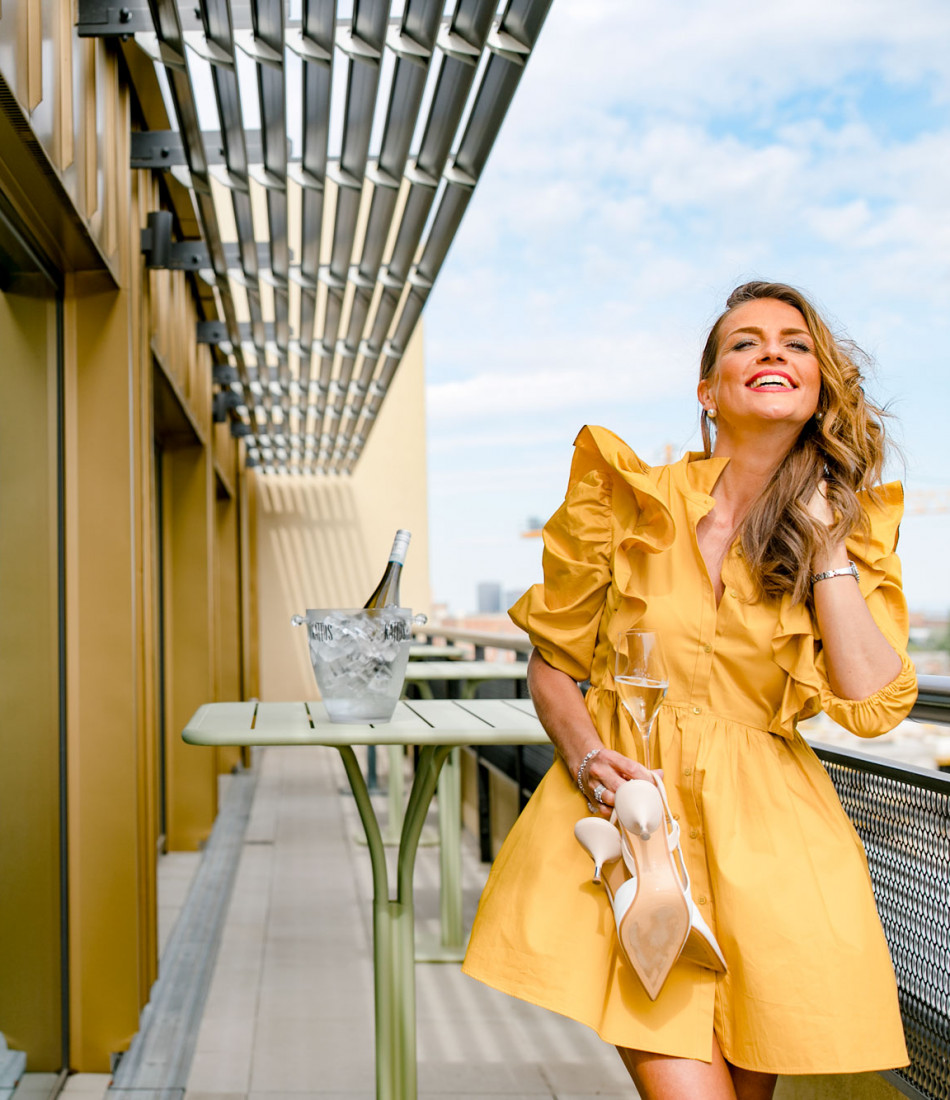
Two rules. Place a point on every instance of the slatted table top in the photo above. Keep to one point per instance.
(414, 722)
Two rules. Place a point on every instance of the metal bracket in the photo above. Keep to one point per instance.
(214, 332)
(161, 149)
(108, 19)
(222, 374)
(161, 251)
(105, 18)
(222, 403)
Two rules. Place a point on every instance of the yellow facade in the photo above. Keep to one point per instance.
(128, 561)
(128, 542)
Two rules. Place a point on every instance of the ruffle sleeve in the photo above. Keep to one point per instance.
(796, 647)
(609, 490)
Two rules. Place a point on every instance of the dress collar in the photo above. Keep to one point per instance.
(699, 474)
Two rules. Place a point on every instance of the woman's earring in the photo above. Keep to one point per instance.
(711, 413)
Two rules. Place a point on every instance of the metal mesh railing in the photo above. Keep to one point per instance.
(902, 815)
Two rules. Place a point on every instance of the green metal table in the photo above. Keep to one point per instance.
(468, 675)
(436, 726)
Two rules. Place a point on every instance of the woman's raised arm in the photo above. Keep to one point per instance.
(859, 659)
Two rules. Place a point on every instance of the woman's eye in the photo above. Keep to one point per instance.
(799, 345)
(740, 344)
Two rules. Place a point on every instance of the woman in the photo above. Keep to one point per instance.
(740, 559)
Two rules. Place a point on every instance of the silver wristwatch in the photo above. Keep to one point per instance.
(851, 570)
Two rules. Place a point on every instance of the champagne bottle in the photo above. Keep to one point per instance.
(386, 593)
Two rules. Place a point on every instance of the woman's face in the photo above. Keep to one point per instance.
(766, 369)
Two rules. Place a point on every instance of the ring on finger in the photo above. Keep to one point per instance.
(598, 793)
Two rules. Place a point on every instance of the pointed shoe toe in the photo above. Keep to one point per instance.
(655, 926)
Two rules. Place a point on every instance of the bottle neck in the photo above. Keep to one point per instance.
(400, 546)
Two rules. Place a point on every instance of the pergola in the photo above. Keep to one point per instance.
(329, 150)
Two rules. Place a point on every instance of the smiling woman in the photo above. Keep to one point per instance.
(741, 561)
(770, 360)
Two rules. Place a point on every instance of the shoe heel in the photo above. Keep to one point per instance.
(701, 948)
(639, 808)
(600, 840)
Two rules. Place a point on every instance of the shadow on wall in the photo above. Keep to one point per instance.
(316, 548)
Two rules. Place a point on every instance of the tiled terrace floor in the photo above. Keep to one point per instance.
(289, 1014)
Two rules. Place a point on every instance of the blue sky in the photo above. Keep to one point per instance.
(656, 155)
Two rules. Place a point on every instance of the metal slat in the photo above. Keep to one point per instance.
(216, 19)
(321, 381)
(168, 30)
(318, 29)
(453, 84)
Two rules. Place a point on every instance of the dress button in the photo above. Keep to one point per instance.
(693, 833)
(687, 771)
(697, 710)
(707, 648)
(701, 899)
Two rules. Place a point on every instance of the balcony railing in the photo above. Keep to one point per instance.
(902, 815)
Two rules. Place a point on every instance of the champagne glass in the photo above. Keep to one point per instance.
(642, 680)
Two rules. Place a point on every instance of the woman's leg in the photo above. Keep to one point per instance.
(750, 1084)
(660, 1077)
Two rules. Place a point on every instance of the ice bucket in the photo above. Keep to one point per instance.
(359, 659)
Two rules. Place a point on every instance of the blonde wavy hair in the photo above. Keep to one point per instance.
(843, 443)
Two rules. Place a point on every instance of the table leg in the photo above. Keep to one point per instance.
(394, 925)
(394, 798)
(451, 947)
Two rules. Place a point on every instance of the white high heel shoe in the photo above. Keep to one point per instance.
(600, 840)
(641, 805)
(658, 922)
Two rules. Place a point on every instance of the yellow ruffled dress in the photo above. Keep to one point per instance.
(777, 869)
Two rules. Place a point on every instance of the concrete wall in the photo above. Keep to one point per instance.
(323, 542)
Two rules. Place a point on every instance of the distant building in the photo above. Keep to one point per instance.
(489, 597)
(512, 596)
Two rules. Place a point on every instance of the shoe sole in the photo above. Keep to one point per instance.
(655, 929)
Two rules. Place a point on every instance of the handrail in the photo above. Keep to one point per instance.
(933, 700)
(933, 694)
(484, 639)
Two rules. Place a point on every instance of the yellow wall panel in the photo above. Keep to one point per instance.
(147, 612)
(62, 76)
(113, 315)
(189, 634)
(101, 674)
(30, 955)
(227, 617)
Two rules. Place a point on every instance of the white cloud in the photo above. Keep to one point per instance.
(654, 156)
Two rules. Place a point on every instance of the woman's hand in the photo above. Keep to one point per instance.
(819, 507)
(609, 769)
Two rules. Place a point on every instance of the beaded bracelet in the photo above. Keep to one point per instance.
(582, 770)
